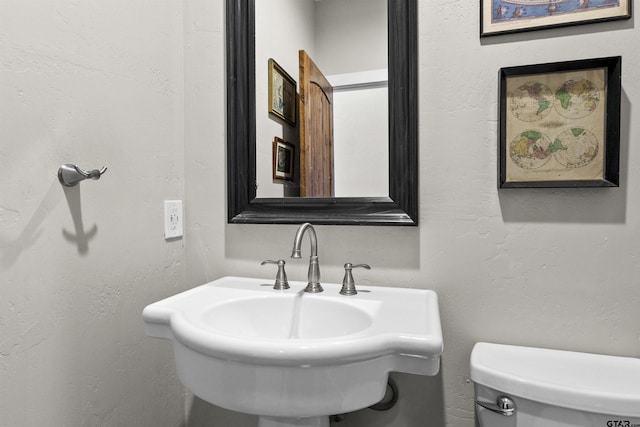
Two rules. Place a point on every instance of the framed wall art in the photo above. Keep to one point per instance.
(559, 124)
(283, 160)
(282, 93)
(510, 16)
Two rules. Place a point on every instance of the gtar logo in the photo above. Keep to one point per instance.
(621, 423)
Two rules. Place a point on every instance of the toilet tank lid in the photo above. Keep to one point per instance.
(587, 382)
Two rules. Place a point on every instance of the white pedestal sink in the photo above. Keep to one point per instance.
(291, 357)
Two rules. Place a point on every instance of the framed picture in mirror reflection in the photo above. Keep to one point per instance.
(283, 158)
(282, 94)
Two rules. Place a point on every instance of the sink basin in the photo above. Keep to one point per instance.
(281, 317)
(243, 346)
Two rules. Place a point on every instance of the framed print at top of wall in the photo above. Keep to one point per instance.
(283, 158)
(559, 124)
(510, 16)
(282, 93)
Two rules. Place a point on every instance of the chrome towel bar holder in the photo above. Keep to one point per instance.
(70, 175)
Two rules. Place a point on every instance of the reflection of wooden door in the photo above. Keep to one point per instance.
(316, 131)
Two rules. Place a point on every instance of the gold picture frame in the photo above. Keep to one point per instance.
(282, 94)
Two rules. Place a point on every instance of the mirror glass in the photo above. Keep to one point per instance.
(398, 205)
(347, 40)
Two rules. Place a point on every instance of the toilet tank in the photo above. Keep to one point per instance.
(553, 388)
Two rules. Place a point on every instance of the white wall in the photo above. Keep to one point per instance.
(361, 135)
(351, 36)
(553, 268)
(94, 83)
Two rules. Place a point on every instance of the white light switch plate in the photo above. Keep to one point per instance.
(173, 219)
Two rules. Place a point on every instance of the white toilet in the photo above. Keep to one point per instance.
(533, 387)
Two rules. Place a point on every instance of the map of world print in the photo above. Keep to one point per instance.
(532, 102)
(576, 148)
(572, 148)
(559, 124)
(531, 149)
(576, 99)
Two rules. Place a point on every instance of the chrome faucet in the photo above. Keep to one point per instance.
(313, 284)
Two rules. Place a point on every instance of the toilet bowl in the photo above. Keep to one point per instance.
(534, 387)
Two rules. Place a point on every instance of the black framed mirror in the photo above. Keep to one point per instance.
(400, 208)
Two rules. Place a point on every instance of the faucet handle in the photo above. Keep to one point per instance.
(281, 277)
(348, 284)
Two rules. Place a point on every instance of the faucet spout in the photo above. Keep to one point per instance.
(313, 284)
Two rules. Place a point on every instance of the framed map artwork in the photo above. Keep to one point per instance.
(510, 16)
(559, 124)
